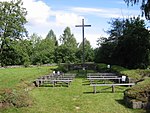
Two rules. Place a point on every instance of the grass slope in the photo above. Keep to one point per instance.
(77, 98)
(10, 77)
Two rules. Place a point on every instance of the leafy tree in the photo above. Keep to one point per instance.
(43, 52)
(66, 51)
(24, 51)
(12, 20)
(104, 53)
(117, 27)
(145, 6)
(35, 39)
(88, 51)
(133, 47)
(52, 36)
(101, 40)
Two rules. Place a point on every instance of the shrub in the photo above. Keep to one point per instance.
(15, 97)
(141, 91)
(102, 68)
(62, 68)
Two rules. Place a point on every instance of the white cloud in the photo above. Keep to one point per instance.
(106, 12)
(120, 2)
(38, 12)
(68, 19)
(86, 10)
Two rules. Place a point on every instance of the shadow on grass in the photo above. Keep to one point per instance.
(147, 111)
(121, 102)
(58, 85)
(97, 92)
(102, 91)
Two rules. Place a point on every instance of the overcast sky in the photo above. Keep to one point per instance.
(44, 15)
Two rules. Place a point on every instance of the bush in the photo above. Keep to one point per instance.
(103, 68)
(62, 68)
(141, 91)
(15, 97)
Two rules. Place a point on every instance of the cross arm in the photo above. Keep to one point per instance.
(83, 25)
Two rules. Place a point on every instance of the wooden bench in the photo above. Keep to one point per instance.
(68, 81)
(112, 85)
(54, 79)
(111, 78)
(101, 74)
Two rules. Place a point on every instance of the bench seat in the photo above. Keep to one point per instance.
(112, 85)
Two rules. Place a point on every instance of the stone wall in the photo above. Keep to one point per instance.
(136, 104)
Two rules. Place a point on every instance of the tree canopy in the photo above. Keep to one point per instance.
(130, 48)
(12, 21)
(145, 6)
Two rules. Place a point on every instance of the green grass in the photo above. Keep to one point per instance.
(10, 77)
(130, 73)
(77, 98)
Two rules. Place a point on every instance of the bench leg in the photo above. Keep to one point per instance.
(94, 88)
(53, 83)
(113, 88)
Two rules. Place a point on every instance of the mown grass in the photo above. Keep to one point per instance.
(77, 98)
(10, 77)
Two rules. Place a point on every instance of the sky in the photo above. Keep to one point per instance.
(44, 15)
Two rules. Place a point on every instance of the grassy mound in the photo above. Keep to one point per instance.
(141, 91)
(16, 83)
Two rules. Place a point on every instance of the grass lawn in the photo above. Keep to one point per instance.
(77, 98)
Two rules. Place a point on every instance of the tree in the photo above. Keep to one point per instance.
(12, 20)
(67, 50)
(104, 53)
(117, 27)
(133, 47)
(88, 51)
(52, 36)
(35, 39)
(23, 51)
(43, 51)
(145, 6)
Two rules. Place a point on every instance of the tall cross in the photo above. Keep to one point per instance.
(83, 57)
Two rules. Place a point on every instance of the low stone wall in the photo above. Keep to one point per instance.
(135, 104)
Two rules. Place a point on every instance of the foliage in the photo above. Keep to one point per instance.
(43, 49)
(101, 67)
(132, 50)
(65, 53)
(88, 51)
(104, 53)
(16, 84)
(145, 7)
(12, 20)
(117, 28)
(132, 73)
(62, 68)
(15, 97)
(139, 91)
(127, 46)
